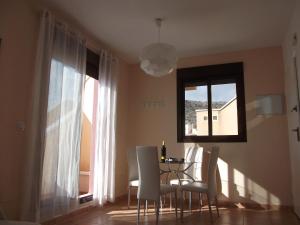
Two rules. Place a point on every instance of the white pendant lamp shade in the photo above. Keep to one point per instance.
(158, 59)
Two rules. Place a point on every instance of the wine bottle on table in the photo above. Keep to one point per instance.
(163, 152)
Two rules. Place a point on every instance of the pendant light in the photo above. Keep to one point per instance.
(158, 59)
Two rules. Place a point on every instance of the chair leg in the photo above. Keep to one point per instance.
(190, 201)
(209, 206)
(175, 203)
(170, 201)
(157, 211)
(138, 209)
(217, 205)
(128, 203)
(181, 206)
(200, 201)
(145, 203)
(160, 203)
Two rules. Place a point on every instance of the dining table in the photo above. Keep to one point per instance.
(179, 168)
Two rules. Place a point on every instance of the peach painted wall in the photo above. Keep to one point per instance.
(291, 101)
(86, 133)
(18, 29)
(122, 130)
(257, 171)
(85, 147)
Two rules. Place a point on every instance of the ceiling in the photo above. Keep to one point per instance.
(194, 27)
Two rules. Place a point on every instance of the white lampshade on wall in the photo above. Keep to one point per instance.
(269, 104)
(158, 59)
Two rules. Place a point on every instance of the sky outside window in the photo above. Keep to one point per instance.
(220, 93)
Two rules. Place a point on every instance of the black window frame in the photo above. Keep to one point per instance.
(92, 64)
(210, 75)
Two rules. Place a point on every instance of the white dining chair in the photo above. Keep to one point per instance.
(209, 188)
(192, 154)
(150, 188)
(133, 174)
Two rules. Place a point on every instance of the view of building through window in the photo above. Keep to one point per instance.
(196, 110)
(224, 110)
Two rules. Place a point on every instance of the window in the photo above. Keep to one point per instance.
(211, 104)
(88, 108)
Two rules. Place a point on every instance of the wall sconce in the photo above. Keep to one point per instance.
(153, 104)
(269, 105)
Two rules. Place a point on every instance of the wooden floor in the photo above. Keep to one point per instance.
(118, 214)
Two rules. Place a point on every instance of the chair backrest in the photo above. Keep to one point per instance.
(212, 170)
(149, 173)
(194, 154)
(133, 173)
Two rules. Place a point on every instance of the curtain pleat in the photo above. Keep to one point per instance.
(51, 185)
(104, 128)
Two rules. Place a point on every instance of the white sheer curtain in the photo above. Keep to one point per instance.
(54, 146)
(104, 137)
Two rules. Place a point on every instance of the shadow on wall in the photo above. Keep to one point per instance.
(234, 184)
